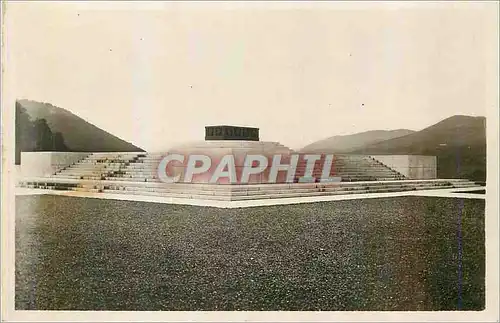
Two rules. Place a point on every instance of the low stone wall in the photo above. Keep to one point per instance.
(411, 166)
(43, 163)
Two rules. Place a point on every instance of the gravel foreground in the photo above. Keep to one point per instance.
(403, 253)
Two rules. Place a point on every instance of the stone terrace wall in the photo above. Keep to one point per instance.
(43, 163)
(411, 166)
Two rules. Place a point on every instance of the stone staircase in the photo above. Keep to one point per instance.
(135, 174)
(143, 168)
(353, 168)
(139, 167)
(241, 192)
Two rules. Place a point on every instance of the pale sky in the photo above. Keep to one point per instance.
(155, 74)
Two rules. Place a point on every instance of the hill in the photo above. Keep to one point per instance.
(338, 144)
(70, 131)
(459, 142)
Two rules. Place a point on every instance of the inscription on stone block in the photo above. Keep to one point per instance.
(231, 133)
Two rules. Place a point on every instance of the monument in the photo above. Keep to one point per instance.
(235, 141)
(231, 164)
(231, 133)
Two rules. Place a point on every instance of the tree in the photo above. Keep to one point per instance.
(35, 135)
(23, 132)
(59, 144)
(43, 136)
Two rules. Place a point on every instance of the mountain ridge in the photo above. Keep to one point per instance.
(78, 133)
(345, 143)
(458, 142)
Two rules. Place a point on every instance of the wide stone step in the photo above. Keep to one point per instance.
(113, 156)
(52, 186)
(325, 193)
(150, 158)
(96, 178)
(87, 177)
(93, 169)
(95, 173)
(126, 190)
(140, 164)
(83, 172)
(384, 174)
(354, 166)
(105, 162)
(174, 195)
(228, 191)
(89, 169)
(264, 185)
(84, 189)
(139, 172)
(101, 165)
(133, 179)
(220, 196)
(353, 171)
(135, 174)
(460, 185)
(127, 185)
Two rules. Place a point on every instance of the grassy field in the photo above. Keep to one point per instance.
(405, 253)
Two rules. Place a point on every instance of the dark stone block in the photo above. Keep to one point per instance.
(231, 133)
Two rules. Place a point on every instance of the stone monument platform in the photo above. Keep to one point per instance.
(137, 173)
